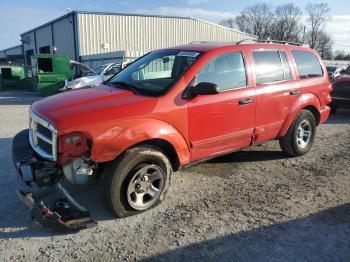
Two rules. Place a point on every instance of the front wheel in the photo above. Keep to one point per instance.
(300, 136)
(137, 181)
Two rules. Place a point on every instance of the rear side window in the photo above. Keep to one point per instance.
(271, 66)
(308, 64)
(226, 71)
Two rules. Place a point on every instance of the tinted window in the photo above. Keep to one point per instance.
(308, 64)
(227, 71)
(271, 66)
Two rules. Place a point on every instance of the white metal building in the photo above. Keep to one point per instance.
(92, 37)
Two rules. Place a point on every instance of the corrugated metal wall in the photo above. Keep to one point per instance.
(59, 33)
(64, 36)
(43, 37)
(103, 33)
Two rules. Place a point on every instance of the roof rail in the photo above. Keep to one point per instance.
(198, 42)
(278, 42)
(246, 41)
(251, 41)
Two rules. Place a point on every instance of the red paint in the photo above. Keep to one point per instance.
(198, 128)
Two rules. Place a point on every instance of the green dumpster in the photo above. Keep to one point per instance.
(50, 72)
(13, 78)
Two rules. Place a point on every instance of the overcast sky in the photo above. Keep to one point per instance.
(18, 16)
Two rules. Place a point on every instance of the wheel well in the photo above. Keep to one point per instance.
(167, 148)
(315, 112)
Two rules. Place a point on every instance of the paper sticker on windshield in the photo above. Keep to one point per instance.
(188, 54)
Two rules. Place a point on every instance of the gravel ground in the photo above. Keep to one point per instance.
(253, 205)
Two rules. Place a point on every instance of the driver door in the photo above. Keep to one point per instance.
(222, 122)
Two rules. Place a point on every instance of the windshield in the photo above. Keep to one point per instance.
(100, 69)
(154, 73)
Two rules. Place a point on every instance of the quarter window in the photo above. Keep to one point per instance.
(226, 71)
(308, 64)
(271, 66)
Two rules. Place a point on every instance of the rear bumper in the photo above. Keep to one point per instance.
(324, 114)
(39, 188)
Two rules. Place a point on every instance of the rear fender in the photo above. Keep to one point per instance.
(135, 131)
(305, 100)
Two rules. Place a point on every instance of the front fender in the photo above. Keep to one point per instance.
(113, 142)
(305, 100)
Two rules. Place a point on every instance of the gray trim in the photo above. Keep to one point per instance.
(52, 37)
(75, 37)
(35, 46)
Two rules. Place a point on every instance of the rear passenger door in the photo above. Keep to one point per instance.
(277, 90)
(225, 121)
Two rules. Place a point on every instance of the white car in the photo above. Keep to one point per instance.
(93, 77)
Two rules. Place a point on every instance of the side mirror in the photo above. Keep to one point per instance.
(203, 88)
(344, 72)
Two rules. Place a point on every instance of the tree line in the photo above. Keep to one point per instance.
(285, 22)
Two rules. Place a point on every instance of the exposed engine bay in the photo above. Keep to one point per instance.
(41, 190)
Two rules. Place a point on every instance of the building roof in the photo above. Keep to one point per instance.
(128, 14)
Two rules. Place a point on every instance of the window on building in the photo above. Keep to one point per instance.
(44, 49)
(271, 66)
(29, 54)
(226, 71)
(308, 64)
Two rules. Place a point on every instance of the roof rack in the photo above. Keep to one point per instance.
(251, 41)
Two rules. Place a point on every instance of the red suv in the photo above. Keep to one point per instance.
(169, 108)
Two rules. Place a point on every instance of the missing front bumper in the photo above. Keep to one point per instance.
(50, 204)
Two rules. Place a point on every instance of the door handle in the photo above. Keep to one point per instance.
(294, 92)
(246, 101)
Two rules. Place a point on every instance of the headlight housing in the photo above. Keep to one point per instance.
(72, 146)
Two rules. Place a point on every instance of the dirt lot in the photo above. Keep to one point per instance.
(253, 205)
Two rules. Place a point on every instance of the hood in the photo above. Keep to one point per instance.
(90, 105)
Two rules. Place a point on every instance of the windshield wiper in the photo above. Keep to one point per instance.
(127, 86)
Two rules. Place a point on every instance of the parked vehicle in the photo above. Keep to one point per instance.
(94, 77)
(341, 92)
(334, 71)
(168, 109)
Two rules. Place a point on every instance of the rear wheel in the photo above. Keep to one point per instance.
(300, 136)
(137, 181)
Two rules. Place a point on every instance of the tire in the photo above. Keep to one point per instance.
(296, 143)
(133, 178)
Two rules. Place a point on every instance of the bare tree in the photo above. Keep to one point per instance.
(287, 26)
(229, 22)
(256, 19)
(324, 45)
(318, 16)
(341, 55)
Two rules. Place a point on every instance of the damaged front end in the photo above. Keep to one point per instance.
(40, 189)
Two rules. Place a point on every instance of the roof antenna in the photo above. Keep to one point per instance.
(68, 10)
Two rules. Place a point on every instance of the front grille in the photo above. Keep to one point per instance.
(44, 131)
(42, 137)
